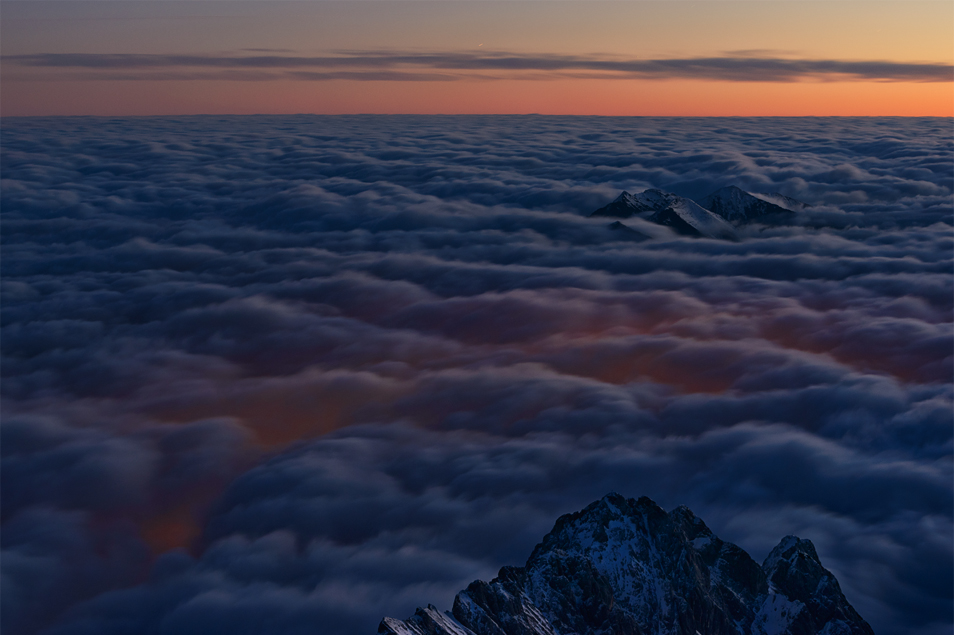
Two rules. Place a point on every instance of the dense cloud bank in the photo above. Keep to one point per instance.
(293, 374)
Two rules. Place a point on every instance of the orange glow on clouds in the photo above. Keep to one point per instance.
(176, 529)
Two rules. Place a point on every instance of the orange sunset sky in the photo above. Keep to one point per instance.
(672, 57)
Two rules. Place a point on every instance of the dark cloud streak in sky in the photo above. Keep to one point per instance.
(398, 66)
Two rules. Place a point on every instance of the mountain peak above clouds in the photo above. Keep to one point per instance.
(682, 215)
(714, 217)
(690, 219)
(738, 206)
(645, 202)
(785, 202)
(627, 232)
(794, 571)
(626, 567)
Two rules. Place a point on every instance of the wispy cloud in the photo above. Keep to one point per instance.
(418, 66)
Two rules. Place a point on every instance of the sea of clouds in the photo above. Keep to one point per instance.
(292, 374)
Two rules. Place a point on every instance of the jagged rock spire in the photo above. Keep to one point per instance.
(626, 567)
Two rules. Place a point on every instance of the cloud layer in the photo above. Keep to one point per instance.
(418, 66)
(275, 374)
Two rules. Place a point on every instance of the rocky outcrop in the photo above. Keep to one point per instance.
(713, 217)
(663, 208)
(626, 567)
(738, 206)
(643, 203)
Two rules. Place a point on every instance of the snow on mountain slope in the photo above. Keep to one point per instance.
(643, 203)
(794, 570)
(687, 217)
(626, 567)
(664, 208)
(738, 206)
(424, 622)
(785, 202)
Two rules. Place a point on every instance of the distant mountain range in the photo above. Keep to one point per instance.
(714, 217)
(626, 567)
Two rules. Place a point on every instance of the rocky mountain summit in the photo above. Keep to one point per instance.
(713, 218)
(626, 567)
(738, 206)
(643, 203)
(681, 214)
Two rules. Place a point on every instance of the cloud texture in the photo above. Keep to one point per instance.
(445, 66)
(288, 374)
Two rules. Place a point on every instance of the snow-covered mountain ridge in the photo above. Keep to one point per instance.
(626, 567)
(713, 217)
(738, 206)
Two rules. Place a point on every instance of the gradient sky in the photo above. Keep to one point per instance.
(579, 57)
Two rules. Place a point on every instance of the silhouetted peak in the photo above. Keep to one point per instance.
(624, 566)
